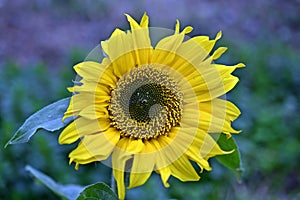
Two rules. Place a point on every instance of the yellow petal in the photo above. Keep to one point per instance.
(170, 43)
(165, 174)
(204, 81)
(108, 77)
(193, 153)
(127, 54)
(156, 149)
(190, 140)
(104, 44)
(216, 116)
(210, 148)
(91, 77)
(119, 177)
(225, 70)
(97, 146)
(205, 43)
(95, 111)
(229, 83)
(141, 39)
(144, 161)
(119, 158)
(119, 49)
(82, 162)
(91, 87)
(129, 145)
(219, 52)
(214, 81)
(87, 87)
(137, 179)
(69, 134)
(142, 47)
(201, 147)
(200, 38)
(88, 93)
(172, 156)
(183, 170)
(177, 27)
(219, 35)
(186, 30)
(90, 70)
(232, 111)
(132, 22)
(81, 127)
(142, 166)
(77, 103)
(192, 52)
(124, 150)
(144, 21)
(165, 50)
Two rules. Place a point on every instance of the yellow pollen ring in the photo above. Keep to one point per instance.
(145, 103)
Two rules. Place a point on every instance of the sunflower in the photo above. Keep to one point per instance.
(151, 107)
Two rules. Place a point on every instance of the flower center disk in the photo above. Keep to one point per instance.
(145, 103)
(143, 99)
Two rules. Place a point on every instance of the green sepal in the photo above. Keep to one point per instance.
(232, 160)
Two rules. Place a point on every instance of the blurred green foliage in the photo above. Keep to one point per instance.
(24, 91)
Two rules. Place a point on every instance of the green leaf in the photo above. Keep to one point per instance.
(69, 191)
(232, 160)
(48, 118)
(97, 191)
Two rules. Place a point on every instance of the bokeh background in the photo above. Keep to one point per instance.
(40, 41)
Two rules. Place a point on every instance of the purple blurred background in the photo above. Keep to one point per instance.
(45, 30)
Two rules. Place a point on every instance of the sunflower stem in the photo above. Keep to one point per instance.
(113, 182)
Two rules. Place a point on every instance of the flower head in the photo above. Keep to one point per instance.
(151, 107)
